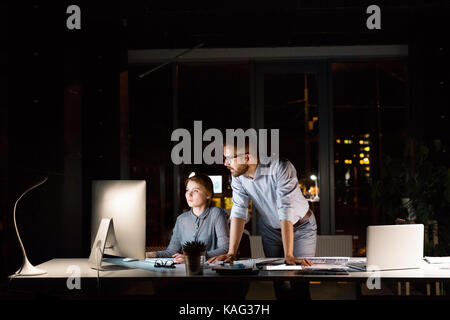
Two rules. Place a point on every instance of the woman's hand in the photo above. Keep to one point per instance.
(178, 258)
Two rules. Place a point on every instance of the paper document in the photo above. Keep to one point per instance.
(321, 266)
(153, 260)
(437, 259)
(281, 267)
(358, 260)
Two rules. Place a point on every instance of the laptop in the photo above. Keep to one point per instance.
(393, 247)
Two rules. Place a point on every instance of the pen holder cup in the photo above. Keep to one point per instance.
(194, 264)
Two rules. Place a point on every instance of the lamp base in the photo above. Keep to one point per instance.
(29, 270)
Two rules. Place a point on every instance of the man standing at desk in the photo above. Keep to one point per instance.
(287, 226)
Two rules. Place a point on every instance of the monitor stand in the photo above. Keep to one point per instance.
(105, 234)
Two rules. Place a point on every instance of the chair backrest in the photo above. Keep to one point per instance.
(334, 246)
(327, 246)
(256, 247)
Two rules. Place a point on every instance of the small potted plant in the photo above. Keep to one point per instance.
(194, 255)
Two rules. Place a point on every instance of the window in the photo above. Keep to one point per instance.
(370, 112)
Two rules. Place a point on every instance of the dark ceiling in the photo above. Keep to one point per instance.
(288, 23)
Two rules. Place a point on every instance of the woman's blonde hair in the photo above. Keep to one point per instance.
(204, 182)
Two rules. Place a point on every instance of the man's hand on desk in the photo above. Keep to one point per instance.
(178, 258)
(292, 261)
(228, 257)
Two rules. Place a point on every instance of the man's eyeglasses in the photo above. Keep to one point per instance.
(165, 264)
(230, 158)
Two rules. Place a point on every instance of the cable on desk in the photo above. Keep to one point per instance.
(11, 278)
(98, 248)
(17, 273)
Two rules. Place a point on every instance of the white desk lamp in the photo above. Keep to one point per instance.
(27, 268)
(316, 189)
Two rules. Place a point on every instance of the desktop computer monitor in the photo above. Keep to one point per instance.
(217, 183)
(118, 219)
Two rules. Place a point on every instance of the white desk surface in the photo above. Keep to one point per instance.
(61, 268)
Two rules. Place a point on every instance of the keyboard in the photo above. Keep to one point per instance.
(361, 266)
(331, 271)
(329, 260)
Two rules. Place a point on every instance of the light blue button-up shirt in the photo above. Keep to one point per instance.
(274, 192)
(211, 227)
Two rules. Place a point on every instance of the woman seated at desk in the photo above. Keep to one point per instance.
(202, 222)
